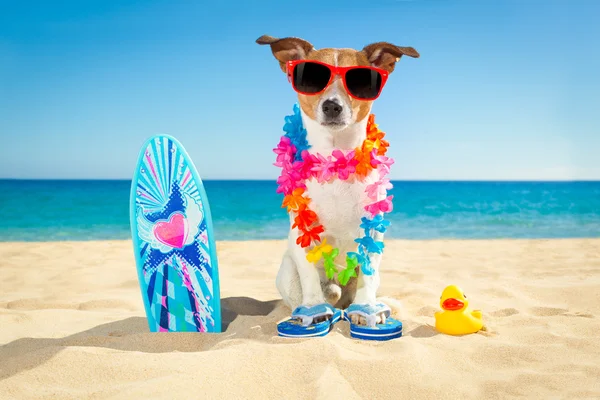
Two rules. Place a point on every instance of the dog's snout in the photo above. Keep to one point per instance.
(331, 109)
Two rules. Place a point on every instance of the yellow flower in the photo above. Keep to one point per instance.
(369, 145)
(314, 255)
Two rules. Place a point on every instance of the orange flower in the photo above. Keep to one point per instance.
(364, 162)
(382, 149)
(304, 219)
(375, 138)
(310, 235)
(295, 200)
(372, 128)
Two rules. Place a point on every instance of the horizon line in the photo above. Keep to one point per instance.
(273, 180)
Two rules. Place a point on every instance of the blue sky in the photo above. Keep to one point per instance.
(503, 89)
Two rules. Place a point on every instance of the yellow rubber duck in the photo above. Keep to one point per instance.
(456, 318)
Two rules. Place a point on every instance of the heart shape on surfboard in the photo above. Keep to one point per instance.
(173, 232)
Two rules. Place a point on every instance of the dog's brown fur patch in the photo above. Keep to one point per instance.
(340, 58)
(381, 54)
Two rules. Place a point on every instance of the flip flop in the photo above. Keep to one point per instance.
(301, 325)
(392, 328)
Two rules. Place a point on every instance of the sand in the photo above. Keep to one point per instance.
(72, 326)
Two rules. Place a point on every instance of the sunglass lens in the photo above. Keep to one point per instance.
(363, 83)
(311, 77)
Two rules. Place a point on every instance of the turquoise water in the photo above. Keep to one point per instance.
(247, 210)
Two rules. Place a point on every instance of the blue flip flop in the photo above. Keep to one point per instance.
(391, 329)
(301, 325)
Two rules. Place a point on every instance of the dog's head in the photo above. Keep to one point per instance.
(334, 108)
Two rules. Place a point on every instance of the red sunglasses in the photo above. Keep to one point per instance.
(313, 77)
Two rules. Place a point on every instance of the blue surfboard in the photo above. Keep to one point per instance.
(173, 241)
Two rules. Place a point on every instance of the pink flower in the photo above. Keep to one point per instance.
(382, 206)
(285, 151)
(289, 179)
(344, 164)
(308, 162)
(376, 188)
(324, 169)
(382, 163)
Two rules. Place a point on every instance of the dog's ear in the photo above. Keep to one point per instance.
(286, 49)
(385, 55)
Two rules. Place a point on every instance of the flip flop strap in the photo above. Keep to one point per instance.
(308, 314)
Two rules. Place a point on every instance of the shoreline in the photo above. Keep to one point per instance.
(394, 240)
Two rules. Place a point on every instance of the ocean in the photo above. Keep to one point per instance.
(250, 210)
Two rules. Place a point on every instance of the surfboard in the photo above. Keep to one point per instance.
(173, 240)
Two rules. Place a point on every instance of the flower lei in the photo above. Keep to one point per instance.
(298, 165)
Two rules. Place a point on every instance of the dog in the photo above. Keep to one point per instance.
(333, 120)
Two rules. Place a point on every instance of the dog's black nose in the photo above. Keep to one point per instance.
(331, 109)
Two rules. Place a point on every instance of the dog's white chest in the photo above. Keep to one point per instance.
(339, 205)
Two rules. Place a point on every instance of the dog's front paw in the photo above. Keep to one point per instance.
(313, 314)
(361, 320)
(368, 314)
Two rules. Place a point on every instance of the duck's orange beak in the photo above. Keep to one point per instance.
(452, 304)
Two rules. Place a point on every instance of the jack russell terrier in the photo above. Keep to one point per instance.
(336, 89)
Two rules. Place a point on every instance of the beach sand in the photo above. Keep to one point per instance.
(72, 326)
